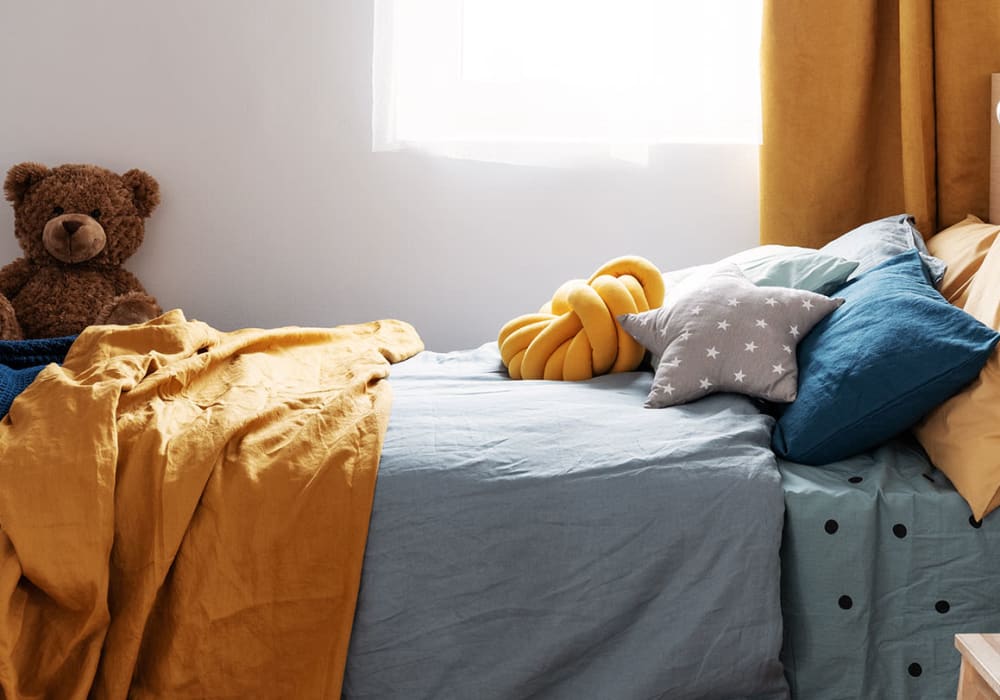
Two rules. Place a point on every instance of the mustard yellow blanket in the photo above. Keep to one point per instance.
(184, 511)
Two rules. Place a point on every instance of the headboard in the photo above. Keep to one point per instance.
(995, 151)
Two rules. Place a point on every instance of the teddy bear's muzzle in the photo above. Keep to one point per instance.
(73, 238)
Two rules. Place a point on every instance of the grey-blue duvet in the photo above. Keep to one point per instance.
(558, 540)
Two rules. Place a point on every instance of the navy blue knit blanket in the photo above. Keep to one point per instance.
(22, 360)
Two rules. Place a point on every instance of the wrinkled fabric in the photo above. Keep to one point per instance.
(882, 565)
(871, 108)
(557, 540)
(22, 360)
(185, 511)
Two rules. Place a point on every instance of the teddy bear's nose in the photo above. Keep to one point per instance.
(71, 226)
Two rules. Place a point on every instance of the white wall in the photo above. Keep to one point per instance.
(254, 116)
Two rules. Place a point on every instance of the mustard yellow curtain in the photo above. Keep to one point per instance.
(872, 108)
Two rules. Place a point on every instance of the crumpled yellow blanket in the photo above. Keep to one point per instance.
(184, 511)
(576, 335)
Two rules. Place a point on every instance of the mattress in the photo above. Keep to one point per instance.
(881, 566)
(557, 540)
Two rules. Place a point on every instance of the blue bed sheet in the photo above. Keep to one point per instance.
(882, 565)
(557, 540)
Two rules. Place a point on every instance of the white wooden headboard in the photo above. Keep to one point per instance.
(995, 152)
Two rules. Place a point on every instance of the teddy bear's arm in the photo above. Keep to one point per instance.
(125, 282)
(13, 276)
(131, 303)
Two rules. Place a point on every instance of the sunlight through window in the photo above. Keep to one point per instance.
(504, 80)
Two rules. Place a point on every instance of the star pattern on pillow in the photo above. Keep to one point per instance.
(727, 334)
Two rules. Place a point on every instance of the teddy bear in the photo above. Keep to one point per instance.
(76, 224)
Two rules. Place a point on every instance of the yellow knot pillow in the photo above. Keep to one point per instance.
(576, 335)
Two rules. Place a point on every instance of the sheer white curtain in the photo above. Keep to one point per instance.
(546, 81)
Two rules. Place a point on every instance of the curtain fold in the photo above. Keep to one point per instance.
(873, 108)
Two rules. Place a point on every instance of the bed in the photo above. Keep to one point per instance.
(526, 539)
(571, 543)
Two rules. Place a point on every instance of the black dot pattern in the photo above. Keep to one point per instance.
(850, 526)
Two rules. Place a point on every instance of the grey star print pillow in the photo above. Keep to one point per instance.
(727, 335)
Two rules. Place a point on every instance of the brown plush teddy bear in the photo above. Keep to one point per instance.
(77, 224)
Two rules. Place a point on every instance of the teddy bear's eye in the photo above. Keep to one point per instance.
(96, 214)
(57, 211)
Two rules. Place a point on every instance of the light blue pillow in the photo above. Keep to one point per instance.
(879, 363)
(798, 268)
(774, 266)
(873, 243)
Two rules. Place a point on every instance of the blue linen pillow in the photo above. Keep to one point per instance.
(873, 243)
(892, 352)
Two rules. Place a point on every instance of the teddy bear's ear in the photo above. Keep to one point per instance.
(145, 191)
(20, 178)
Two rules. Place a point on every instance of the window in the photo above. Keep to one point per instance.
(504, 79)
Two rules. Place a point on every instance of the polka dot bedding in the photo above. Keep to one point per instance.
(881, 566)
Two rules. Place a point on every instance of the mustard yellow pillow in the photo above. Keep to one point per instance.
(963, 247)
(962, 435)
